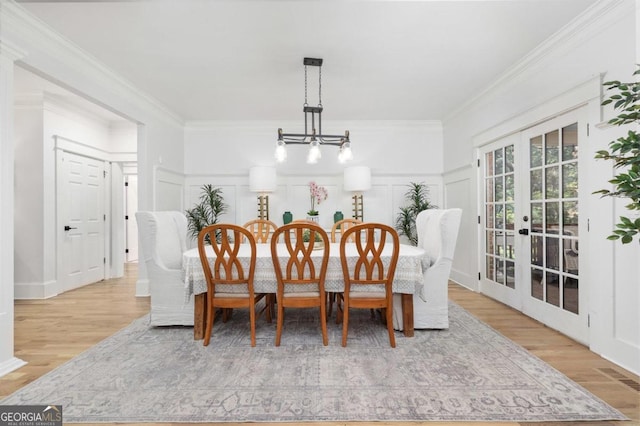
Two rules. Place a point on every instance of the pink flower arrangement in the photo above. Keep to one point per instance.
(318, 195)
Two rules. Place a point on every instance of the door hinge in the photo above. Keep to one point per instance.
(104, 173)
(104, 217)
(126, 217)
(126, 184)
(588, 321)
(587, 129)
(479, 220)
(588, 226)
(126, 250)
(478, 162)
(479, 276)
(104, 260)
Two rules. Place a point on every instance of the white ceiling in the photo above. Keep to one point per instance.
(242, 59)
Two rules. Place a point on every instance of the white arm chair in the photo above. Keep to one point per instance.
(437, 234)
(162, 241)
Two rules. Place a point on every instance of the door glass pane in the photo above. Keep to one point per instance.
(552, 288)
(499, 244)
(570, 142)
(491, 273)
(499, 194)
(509, 216)
(551, 182)
(499, 220)
(553, 255)
(511, 277)
(499, 161)
(511, 254)
(570, 180)
(508, 159)
(490, 241)
(489, 163)
(508, 187)
(489, 191)
(570, 218)
(500, 275)
(570, 295)
(552, 217)
(570, 255)
(537, 289)
(536, 217)
(551, 141)
(535, 151)
(537, 250)
(489, 216)
(536, 184)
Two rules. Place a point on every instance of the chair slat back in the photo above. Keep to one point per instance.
(225, 240)
(338, 229)
(261, 229)
(300, 267)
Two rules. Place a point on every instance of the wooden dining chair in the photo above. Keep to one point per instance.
(369, 272)
(229, 283)
(300, 279)
(336, 233)
(262, 229)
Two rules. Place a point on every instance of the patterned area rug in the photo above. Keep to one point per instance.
(466, 373)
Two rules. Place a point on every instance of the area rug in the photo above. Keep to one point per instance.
(466, 373)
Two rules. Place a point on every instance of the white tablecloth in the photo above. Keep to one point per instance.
(412, 263)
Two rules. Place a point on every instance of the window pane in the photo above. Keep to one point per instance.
(511, 254)
(511, 277)
(570, 250)
(570, 142)
(491, 273)
(509, 216)
(499, 244)
(499, 221)
(489, 216)
(490, 241)
(500, 275)
(551, 182)
(535, 151)
(570, 180)
(536, 250)
(489, 190)
(536, 184)
(553, 288)
(551, 147)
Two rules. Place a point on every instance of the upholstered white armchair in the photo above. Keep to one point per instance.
(437, 234)
(163, 240)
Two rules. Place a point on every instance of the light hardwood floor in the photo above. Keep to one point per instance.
(50, 332)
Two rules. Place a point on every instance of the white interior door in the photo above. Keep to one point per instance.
(555, 294)
(499, 167)
(81, 220)
(131, 200)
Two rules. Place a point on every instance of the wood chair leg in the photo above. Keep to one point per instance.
(252, 322)
(392, 336)
(345, 325)
(209, 327)
(279, 322)
(323, 323)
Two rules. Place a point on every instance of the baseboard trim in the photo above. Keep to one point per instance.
(36, 290)
(10, 365)
(142, 288)
(464, 279)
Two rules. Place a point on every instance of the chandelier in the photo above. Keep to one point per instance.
(312, 136)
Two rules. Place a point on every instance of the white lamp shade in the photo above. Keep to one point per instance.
(262, 179)
(357, 178)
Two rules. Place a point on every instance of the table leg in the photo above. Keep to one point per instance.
(407, 314)
(199, 315)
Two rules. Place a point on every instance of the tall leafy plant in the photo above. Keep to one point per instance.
(207, 211)
(417, 197)
(625, 154)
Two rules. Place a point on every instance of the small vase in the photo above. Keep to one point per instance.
(337, 216)
(315, 218)
(287, 217)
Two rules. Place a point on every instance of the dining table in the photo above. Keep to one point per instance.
(408, 277)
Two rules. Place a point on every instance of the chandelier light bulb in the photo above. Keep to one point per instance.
(314, 152)
(281, 151)
(345, 153)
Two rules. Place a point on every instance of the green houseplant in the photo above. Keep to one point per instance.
(207, 211)
(625, 154)
(417, 197)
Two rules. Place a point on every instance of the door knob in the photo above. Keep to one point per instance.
(523, 231)
(68, 228)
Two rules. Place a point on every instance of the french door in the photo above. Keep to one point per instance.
(531, 225)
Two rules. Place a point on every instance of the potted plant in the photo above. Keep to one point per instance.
(418, 197)
(318, 194)
(625, 153)
(207, 211)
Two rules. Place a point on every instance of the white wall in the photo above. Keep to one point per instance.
(541, 86)
(396, 152)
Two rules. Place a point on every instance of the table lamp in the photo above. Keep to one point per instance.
(357, 179)
(262, 179)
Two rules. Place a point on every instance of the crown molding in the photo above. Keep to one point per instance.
(275, 124)
(16, 22)
(588, 24)
(10, 51)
